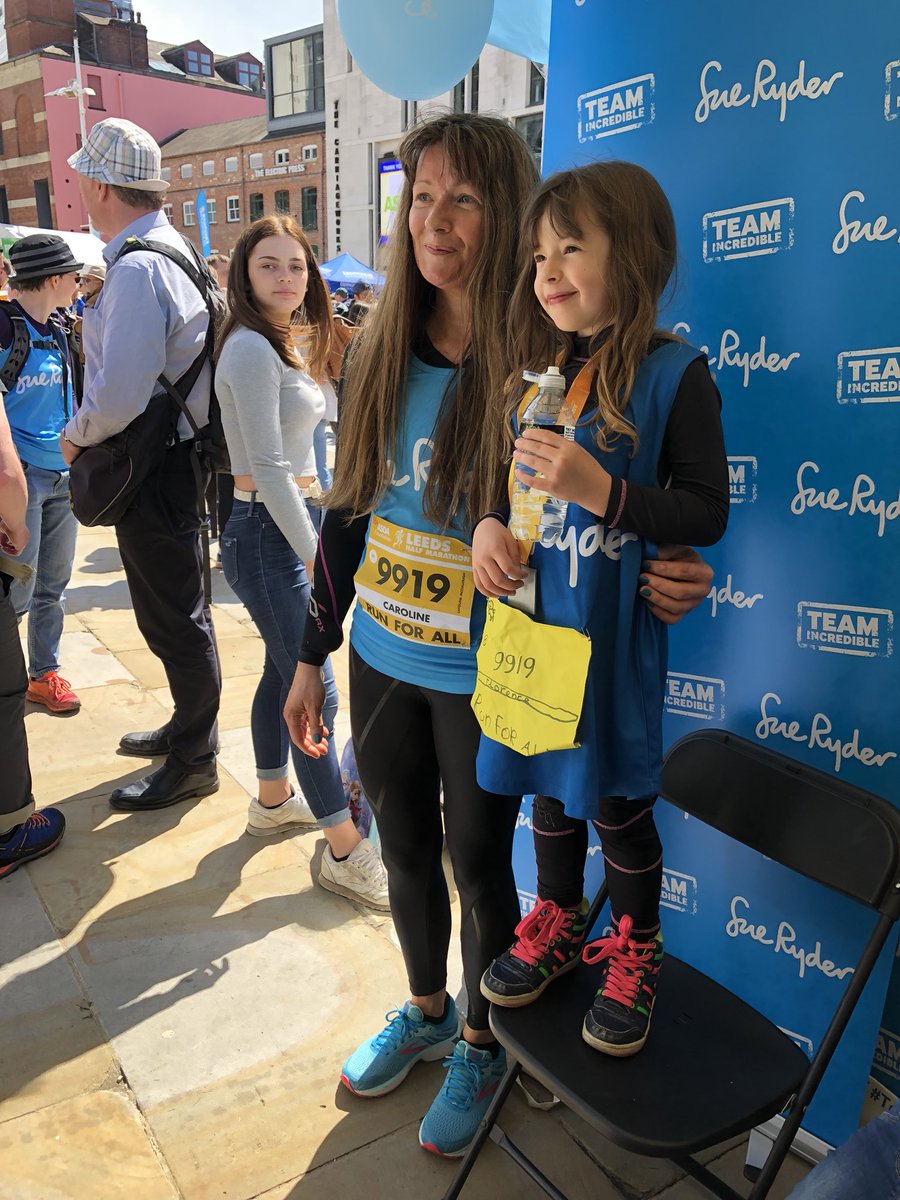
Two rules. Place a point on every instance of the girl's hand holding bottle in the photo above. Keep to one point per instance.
(564, 469)
(496, 567)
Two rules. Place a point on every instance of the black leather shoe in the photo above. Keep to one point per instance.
(146, 745)
(166, 786)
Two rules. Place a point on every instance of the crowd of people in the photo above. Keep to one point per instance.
(491, 274)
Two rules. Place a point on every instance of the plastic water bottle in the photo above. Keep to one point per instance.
(535, 515)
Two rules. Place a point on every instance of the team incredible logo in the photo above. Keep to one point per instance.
(845, 629)
(695, 696)
(742, 478)
(616, 108)
(869, 376)
(892, 91)
(887, 1053)
(748, 230)
(678, 892)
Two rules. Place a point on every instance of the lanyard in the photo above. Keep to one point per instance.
(575, 399)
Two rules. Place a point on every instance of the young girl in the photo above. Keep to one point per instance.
(274, 345)
(647, 465)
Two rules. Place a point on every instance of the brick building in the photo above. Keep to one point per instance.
(161, 87)
(247, 171)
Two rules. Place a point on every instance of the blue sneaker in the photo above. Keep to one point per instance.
(40, 834)
(458, 1109)
(383, 1062)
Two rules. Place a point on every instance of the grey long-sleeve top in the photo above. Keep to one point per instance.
(269, 413)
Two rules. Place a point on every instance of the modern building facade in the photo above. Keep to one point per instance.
(364, 127)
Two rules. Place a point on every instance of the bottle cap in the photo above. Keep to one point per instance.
(552, 378)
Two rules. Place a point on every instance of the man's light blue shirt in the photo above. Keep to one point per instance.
(149, 320)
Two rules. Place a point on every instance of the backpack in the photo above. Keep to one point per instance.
(22, 344)
(209, 442)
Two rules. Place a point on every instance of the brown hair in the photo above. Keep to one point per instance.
(628, 204)
(469, 445)
(314, 313)
(138, 198)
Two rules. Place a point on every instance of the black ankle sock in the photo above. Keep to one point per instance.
(493, 1046)
(340, 857)
(445, 1013)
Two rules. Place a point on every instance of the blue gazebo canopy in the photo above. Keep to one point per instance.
(345, 270)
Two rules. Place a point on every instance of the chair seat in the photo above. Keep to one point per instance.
(706, 1046)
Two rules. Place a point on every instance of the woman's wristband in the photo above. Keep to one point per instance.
(496, 516)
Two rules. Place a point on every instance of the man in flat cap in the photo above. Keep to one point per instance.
(151, 320)
(36, 370)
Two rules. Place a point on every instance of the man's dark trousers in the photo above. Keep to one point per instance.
(16, 801)
(159, 540)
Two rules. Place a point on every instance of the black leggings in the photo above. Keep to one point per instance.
(408, 741)
(632, 856)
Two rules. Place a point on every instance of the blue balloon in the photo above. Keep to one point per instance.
(415, 49)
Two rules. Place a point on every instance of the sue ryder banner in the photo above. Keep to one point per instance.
(775, 131)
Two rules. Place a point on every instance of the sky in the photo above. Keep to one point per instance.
(226, 26)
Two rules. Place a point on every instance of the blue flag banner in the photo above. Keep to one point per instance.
(203, 222)
(776, 136)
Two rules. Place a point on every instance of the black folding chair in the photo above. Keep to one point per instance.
(741, 1070)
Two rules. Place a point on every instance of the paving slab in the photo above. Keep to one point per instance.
(89, 1146)
(238, 655)
(730, 1166)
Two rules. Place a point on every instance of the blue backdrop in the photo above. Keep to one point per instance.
(774, 131)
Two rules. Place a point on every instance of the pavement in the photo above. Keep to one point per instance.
(177, 998)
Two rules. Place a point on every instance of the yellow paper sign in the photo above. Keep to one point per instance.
(531, 680)
(417, 585)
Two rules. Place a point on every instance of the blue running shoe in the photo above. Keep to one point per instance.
(383, 1062)
(458, 1109)
(40, 834)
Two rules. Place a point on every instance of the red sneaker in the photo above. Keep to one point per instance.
(53, 692)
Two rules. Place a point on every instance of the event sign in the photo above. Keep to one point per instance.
(776, 137)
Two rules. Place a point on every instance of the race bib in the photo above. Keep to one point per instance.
(417, 585)
(531, 679)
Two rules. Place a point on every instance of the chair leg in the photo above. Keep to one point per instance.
(504, 1088)
(549, 1189)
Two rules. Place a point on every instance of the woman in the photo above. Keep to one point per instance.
(417, 466)
(277, 303)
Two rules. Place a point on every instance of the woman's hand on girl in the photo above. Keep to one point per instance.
(496, 567)
(675, 583)
(566, 470)
(303, 711)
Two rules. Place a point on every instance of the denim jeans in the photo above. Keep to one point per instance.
(867, 1167)
(52, 529)
(270, 581)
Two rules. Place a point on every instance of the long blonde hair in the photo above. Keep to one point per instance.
(628, 204)
(313, 318)
(470, 442)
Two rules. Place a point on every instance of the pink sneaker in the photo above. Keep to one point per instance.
(53, 692)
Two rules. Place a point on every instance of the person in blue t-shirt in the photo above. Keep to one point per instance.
(646, 464)
(418, 462)
(38, 406)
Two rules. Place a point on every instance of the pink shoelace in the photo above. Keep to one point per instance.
(536, 931)
(630, 962)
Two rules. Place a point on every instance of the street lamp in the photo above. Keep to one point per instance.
(74, 90)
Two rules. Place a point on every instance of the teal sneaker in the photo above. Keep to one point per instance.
(383, 1062)
(452, 1122)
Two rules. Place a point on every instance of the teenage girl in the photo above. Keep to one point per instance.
(648, 464)
(274, 345)
(419, 461)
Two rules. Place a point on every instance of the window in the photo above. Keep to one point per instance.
(187, 170)
(198, 62)
(4, 206)
(249, 75)
(283, 201)
(209, 166)
(187, 212)
(211, 211)
(95, 82)
(310, 207)
(535, 84)
(458, 103)
(166, 174)
(310, 153)
(298, 76)
(315, 249)
(233, 208)
(282, 158)
(231, 165)
(475, 80)
(349, 62)
(42, 203)
(167, 210)
(532, 130)
(256, 162)
(1, 145)
(257, 208)
(409, 110)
